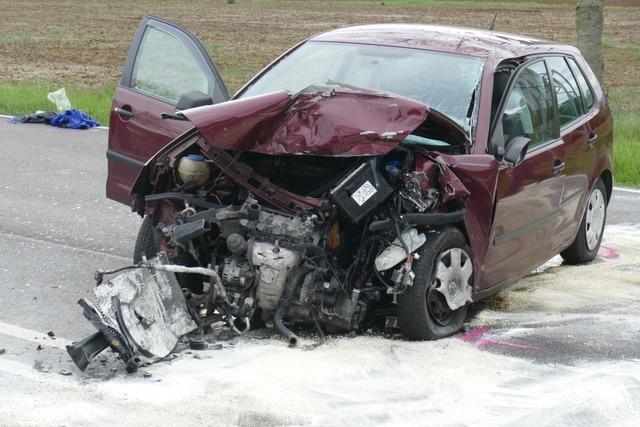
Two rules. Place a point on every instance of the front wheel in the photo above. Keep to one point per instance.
(147, 242)
(443, 279)
(587, 243)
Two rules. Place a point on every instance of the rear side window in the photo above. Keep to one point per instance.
(528, 109)
(566, 89)
(587, 95)
(167, 68)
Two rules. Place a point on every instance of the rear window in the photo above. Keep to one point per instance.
(528, 110)
(566, 89)
(587, 94)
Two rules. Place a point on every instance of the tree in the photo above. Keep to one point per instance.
(589, 24)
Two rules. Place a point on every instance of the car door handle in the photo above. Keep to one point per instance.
(592, 139)
(123, 113)
(559, 167)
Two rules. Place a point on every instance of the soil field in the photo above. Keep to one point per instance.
(84, 44)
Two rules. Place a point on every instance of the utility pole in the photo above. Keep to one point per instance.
(589, 25)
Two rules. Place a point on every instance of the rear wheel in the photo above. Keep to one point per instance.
(443, 278)
(587, 243)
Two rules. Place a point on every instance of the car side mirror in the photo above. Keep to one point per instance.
(516, 150)
(192, 99)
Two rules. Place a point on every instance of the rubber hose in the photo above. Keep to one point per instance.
(284, 303)
(283, 330)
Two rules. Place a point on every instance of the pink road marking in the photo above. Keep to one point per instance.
(475, 337)
(608, 253)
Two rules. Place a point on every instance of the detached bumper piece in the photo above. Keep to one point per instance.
(141, 314)
(83, 351)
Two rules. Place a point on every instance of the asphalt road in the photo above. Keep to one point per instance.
(57, 228)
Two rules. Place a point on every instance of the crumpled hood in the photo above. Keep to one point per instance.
(336, 120)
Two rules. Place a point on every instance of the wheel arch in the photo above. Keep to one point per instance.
(607, 178)
(462, 227)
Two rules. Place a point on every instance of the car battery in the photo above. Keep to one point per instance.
(361, 191)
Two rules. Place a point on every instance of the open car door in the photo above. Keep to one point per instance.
(167, 68)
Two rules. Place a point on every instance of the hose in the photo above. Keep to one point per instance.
(172, 268)
(283, 330)
(291, 285)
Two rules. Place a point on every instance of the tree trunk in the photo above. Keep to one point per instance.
(589, 24)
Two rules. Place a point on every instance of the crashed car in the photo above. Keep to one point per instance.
(393, 173)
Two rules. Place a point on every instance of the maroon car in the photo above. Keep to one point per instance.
(380, 172)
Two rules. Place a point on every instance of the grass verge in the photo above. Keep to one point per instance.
(28, 98)
(626, 135)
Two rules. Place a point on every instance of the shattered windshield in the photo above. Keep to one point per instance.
(442, 81)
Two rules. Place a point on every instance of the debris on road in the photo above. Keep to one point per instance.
(60, 99)
(70, 119)
(73, 119)
(66, 117)
(141, 314)
(197, 343)
(37, 117)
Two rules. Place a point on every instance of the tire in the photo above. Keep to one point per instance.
(586, 244)
(147, 242)
(418, 317)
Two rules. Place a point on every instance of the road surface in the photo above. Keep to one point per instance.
(559, 347)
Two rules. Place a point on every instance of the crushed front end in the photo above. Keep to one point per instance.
(284, 209)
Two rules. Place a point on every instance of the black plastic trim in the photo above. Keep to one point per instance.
(420, 219)
(124, 159)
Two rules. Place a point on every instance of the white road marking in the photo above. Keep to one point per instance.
(68, 247)
(627, 190)
(33, 336)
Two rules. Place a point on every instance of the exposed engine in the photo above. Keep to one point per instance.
(340, 264)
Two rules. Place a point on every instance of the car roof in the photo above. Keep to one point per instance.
(468, 41)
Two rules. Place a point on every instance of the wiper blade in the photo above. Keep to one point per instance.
(472, 104)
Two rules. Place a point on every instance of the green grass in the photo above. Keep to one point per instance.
(27, 98)
(626, 151)
(626, 135)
